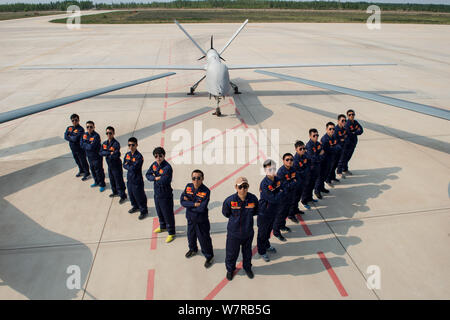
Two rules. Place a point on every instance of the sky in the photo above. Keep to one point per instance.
(146, 1)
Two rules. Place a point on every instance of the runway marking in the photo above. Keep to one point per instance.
(304, 225)
(203, 142)
(150, 284)
(225, 179)
(154, 241)
(332, 274)
(163, 129)
(225, 281)
(183, 100)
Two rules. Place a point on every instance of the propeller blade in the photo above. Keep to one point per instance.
(212, 42)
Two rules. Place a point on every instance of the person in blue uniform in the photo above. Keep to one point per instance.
(195, 199)
(287, 175)
(270, 202)
(315, 153)
(90, 143)
(110, 149)
(341, 135)
(132, 162)
(301, 165)
(331, 147)
(240, 208)
(73, 134)
(160, 172)
(354, 129)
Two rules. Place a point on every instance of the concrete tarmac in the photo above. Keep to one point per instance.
(391, 216)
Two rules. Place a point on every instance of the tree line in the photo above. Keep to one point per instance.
(226, 4)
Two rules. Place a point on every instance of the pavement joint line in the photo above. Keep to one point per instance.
(415, 146)
(423, 211)
(96, 251)
(346, 252)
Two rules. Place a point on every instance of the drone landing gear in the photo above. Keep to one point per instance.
(235, 88)
(217, 112)
(192, 90)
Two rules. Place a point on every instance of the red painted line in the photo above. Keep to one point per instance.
(224, 179)
(225, 281)
(177, 123)
(332, 274)
(202, 143)
(154, 240)
(233, 173)
(163, 130)
(182, 100)
(304, 225)
(178, 210)
(150, 284)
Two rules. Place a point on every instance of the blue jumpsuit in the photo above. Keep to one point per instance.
(239, 229)
(331, 147)
(313, 150)
(163, 194)
(197, 217)
(73, 135)
(341, 133)
(289, 186)
(301, 166)
(354, 129)
(270, 202)
(91, 144)
(135, 181)
(111, 151)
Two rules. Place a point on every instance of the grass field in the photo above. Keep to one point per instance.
(17, 15)
(257, 15)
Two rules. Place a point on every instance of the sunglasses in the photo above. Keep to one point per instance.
(243, 186)
(108, 133)
(351, 114)
(75, 120)
(331, 129)
(131, 144)
(302, 148)
(343, 120)
(315, 135)
(289, 159)
(196, 178)
(90, 127)
(158, 156)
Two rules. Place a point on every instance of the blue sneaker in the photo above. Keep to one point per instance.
(102, 189)
(265, 257)
(94, 185)
(307, 206)
(314, 200)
